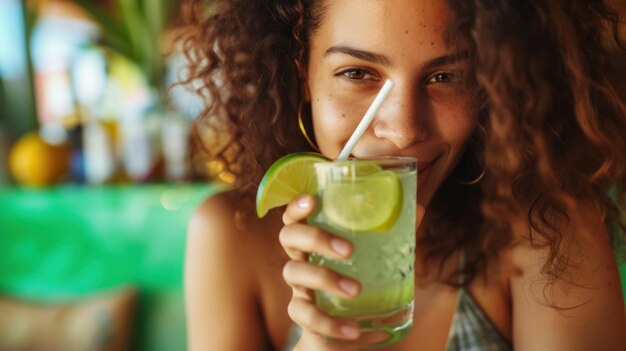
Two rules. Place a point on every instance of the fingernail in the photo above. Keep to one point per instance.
(350, 331)
(340, 246)
(303, 203)
(349, 286)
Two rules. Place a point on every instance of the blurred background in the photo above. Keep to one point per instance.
(97, 175)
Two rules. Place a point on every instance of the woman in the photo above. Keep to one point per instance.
(523, 135)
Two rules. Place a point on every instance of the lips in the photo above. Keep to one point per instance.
(423, 173)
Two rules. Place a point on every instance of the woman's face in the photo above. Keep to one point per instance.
(358, 45)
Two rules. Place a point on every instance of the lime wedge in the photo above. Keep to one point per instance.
(364, 167)
(368, 203)
(288, 177)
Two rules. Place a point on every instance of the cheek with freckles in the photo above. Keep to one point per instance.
(333, 122)
(455, 124)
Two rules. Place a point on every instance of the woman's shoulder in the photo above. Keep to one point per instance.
(218, 209)
(572, 240)
(223, 216)
(212, 235)
(578, 227)
(227, 276)
(221, 225)
(557, 290)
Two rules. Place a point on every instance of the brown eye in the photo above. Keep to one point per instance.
(443, 77)
(357, 74)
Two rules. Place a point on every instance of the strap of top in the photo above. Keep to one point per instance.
(471, 329)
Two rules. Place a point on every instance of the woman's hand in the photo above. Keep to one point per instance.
(299, 240)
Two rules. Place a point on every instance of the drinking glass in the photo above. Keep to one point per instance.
(371, 202)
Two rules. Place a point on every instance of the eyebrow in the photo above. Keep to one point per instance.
(359, 54)
(385, 61)
(444, 60)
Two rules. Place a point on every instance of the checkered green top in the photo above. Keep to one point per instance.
(472, 330)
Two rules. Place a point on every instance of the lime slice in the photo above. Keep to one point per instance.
(368, 203)
(364, 167)
(288, 177)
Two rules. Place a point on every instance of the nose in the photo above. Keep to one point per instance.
(401, 120)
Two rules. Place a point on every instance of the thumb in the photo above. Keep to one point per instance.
(420, 212)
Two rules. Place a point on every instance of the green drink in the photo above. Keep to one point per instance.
(372, 204)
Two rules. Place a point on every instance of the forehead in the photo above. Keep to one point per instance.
(395, 25)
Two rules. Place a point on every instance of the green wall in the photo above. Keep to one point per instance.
(70, 241)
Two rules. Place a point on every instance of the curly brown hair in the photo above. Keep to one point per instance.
(552, 122)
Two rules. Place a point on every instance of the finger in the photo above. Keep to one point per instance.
(293, 251)
(314, 277)
(300, 238)
(372, 338)
(299, 209)
(309, 317)
(303, 293)
(420, 211)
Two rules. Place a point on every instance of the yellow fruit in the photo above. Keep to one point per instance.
(34, 162)
(371, 202)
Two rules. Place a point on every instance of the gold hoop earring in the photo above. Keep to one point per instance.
(473, 181)
(303, 130)
(482, 174)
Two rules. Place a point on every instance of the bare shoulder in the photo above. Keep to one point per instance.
(213, 231)
(581, 308)
(215, 214)
(218, 226)
(221, 279)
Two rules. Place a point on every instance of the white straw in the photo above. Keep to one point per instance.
(367, 119)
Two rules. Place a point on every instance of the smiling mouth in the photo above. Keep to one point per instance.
(421, 166)
(423, 173)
